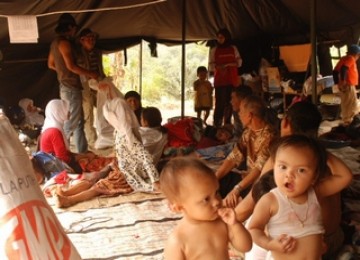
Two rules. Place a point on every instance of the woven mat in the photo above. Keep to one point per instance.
(124, 231)
(126, 227)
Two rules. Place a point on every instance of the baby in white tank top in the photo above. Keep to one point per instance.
(291, 213)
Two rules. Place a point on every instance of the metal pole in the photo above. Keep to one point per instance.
(183, 59)
(140, 67)
(313, 50)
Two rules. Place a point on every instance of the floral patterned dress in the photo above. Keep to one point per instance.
(136, 164)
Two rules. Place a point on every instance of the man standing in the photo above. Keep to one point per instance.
(62, 60)
(89, 58)
(346, 75)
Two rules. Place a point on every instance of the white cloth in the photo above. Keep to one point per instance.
(154, 140)
(56, 113)
(120, 115)
(106, 90)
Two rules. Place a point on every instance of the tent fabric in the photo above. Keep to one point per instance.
(251, 23)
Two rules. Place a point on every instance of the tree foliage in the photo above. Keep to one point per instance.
(161, 76)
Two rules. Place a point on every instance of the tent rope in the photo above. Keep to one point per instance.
(98, 9)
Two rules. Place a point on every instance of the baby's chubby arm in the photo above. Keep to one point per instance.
(239, 236)
(263, 211)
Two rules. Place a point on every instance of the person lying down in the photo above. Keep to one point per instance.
(107, 182)
(70, 188)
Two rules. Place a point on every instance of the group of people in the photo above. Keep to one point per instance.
(306, 180)
(287, 191)
(132, 168)
(292, 211)
(139, 137)
(224, 61)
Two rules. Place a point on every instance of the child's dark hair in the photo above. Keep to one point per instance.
(298, 141)
(153, 117)
(176, 169)
(132, 93)
(304, 118)
(201, 69)
(263, 185)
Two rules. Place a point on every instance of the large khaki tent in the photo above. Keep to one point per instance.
(255, 24)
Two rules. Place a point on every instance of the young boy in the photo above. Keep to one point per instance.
(205, 229)
(203, 93)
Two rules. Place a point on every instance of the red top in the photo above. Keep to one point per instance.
(228, 75)
(352, 73)
(52, 141)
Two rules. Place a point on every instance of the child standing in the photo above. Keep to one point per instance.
(205, 229)
(203, 93)
(291, 212)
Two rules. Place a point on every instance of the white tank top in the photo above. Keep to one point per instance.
(297, 220)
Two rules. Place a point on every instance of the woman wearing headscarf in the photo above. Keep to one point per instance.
(99, 174)
(32, 115)
(134, 161)
(53, 139)
(134, 170)
(224, 62)
(133, 98)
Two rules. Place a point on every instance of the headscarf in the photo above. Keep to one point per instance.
(56, 113)
(119, 114)
(226, 33)
(24, 103)
(31, 117)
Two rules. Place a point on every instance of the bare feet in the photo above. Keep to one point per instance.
(62, 201)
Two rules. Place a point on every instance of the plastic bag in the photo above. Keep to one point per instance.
(50, 164)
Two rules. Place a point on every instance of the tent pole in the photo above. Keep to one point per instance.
(141, 66)
(313, 51)
(183, 58)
